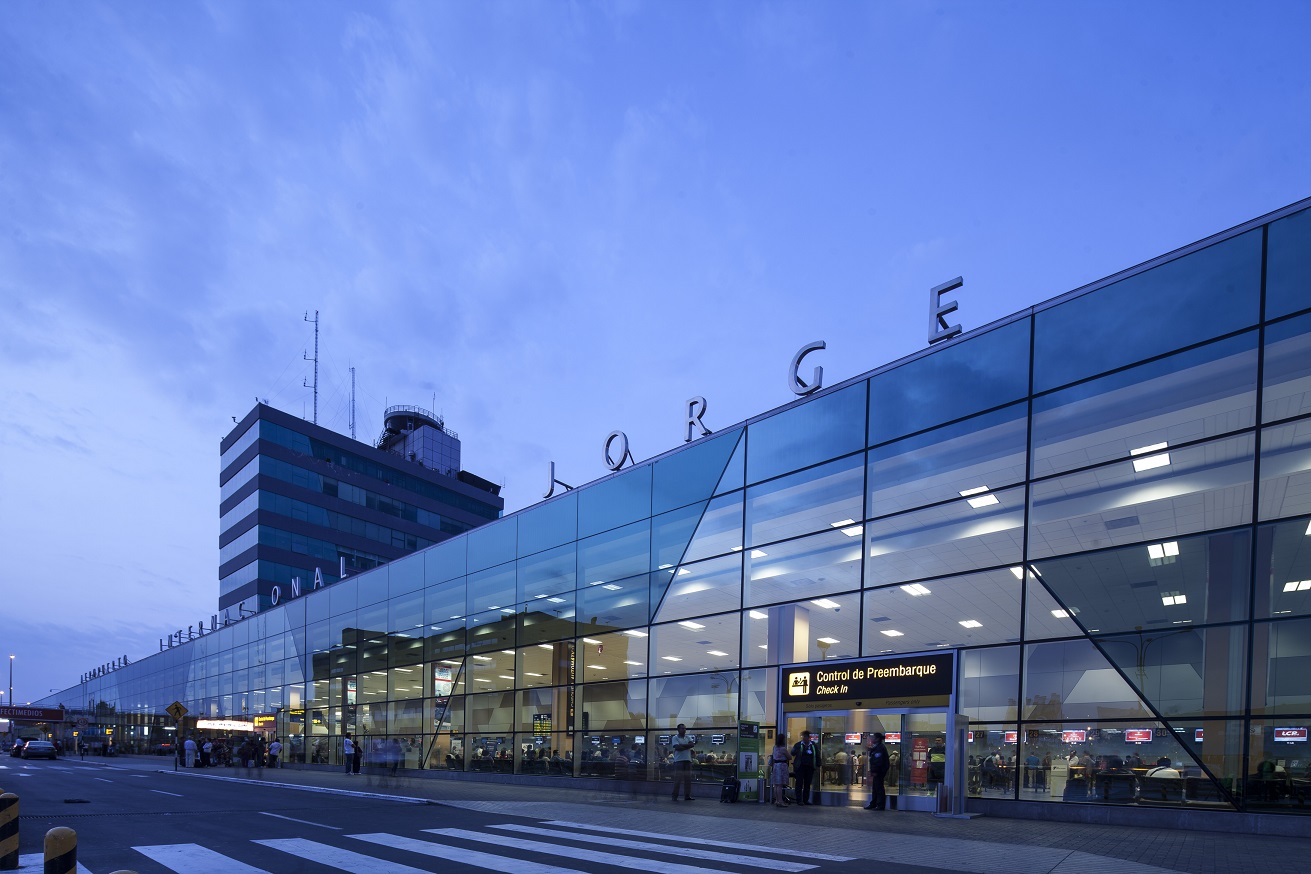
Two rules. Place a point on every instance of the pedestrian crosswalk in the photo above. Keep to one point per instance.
(555, 847)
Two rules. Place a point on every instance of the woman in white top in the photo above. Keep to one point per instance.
(778, 764)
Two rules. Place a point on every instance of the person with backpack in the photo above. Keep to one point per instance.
(805, 756)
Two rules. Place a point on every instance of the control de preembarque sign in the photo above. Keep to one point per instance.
(909, 681)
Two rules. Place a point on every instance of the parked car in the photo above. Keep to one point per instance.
(39, 749)
(164, 749)
(17, 749)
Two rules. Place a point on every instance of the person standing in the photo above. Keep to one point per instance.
(189, 747)
(683, 762)
(778, 770)
(206, 753)
(878, 772)
(275, 751)
(805, 758)
(348, 752)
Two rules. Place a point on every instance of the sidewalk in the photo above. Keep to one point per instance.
(983, 844)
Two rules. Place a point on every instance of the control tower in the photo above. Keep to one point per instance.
(420, 436)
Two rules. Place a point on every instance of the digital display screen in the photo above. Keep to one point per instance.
(1197, 734)
(1290, 735)
(716, 738)
(852, 737)
(1138, 735)
(893, 737)
(1010, 737)
(1073, 736)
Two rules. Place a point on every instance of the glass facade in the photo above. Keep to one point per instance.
(1103, 505)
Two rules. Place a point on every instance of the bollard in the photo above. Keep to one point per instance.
(61, 851)
(8, 832)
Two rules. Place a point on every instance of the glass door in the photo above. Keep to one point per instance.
(923, 760)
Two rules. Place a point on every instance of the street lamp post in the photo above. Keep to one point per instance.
(11, 679)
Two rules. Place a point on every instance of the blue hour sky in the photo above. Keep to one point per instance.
(548, 221)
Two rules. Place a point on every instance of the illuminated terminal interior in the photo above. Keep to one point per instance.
(1095, 513)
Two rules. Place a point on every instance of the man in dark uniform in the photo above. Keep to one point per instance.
(805, 757)
(878, 772)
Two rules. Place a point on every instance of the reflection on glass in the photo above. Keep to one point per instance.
(971, 610)
(1183, 671)
(828, 496)
(817, 430)
(1288, 265)
(1286, 386)
(1286, 470)
(701, 589)
(808, 567)
(1281, 667)
(1283, 564)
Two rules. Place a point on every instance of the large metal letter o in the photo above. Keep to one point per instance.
(623, 446)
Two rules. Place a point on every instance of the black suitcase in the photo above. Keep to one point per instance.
(728, 794)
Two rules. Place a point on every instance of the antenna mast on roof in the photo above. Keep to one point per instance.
(315, 359)
(352, 403)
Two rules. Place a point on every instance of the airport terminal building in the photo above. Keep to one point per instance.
(1041, 556)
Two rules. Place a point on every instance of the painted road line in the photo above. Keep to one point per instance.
(326, 790)
(345, 860)
(301, 821)
(705, 842)
(162, 792)
(635, 862)
(692, 852)
(36, 862)
(486, 861)
(102, 779)
(195, 859)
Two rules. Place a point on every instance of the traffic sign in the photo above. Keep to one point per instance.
(177, 710)
(82, 723)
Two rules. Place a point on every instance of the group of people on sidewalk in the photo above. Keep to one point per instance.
(804, 760)
(251, 752)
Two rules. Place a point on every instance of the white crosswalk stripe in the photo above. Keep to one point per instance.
(357, 863)
(195, 859)
(487, 861)
(635, 862)
(693, 852)
(704, 842)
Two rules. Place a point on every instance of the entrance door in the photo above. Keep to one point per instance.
(923, 754)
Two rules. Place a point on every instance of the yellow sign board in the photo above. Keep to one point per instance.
(177, 710)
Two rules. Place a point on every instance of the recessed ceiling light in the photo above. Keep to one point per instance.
(916, 590)
(545, 646)
(450, 662)
(598, 583)
(597, 667)
(612, 587)
(715, 652)
(854, 530)
(632, 663)
(1160, 551)
(633, 632)
(1308, 529)
(556, 600)
(756, 614)
(971, 623)
(982, 501)
(1173, 599)
(1143, 461)
(1019, 572)
(737, 549)
(665, 567)
(682, 572)
(892, 632)
(506, 677)
(763, 646)
(671, 658)
(508, 651)
(826, 603)
(484, 658)
(829, 640)
(539, 596)
(843, 523)
(506, 610)
(695, 626)
(978, 490)
(531, 674)
(592, 641)
(1060, 614)
(758, 553)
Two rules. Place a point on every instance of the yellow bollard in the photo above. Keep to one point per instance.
(8, 832)
(61, 851)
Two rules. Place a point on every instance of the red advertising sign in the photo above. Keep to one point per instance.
(919, 761)
(36, 714)
(1074, 736)
(1010, 737)
(971, 737)
(893, 737)
(1290, 735)
(852, 737)
(1197, 735)
(1138, 735)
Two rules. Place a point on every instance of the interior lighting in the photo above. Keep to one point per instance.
(1162, 553)
(971, 623)
(715, 652)
(1060, 614)
(1181, 622)
(481, 680)
(695, 626)
(556, 600)
(484, 658)
(1018, 571)
(829, 640)
(844, 523)
(763, 646)
(826, 603)
(892, 632)
(1297, 586)
(612, 587)
(1308, 529)
(507, 609)
(665, 567)
(1147, 462)
(682, 572)
(450, 662)
(1173, 599)
(982, 500)
(758, 553)
(597, 583)
(545, 646)
(915, 590)
(737, 549)
(505, 677)
(632, 663)
(854, 531)
(633, 632)
(596, 667)
(531, 674)
(592, 641)
(756, 614)
(671, 658)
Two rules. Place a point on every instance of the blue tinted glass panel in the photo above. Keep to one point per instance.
(1286, 470)
(720, 529)
(549, 524)
(1185, 301)
(548, 573)
(405, 574)
(1283, 570)
(692, 474)
(614, 555)
(807, 434)
(1288, 266)
(1287, 373)
(809, 567)
(735, 471)
(494, 589)
(977, 374)
(623, 498)
(445, 561)
(615, 605)
(1204, 392)
(492, 544)
(671, 533)
(815, 499)
(938, 465)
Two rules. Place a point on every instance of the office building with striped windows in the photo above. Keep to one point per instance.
(1062, 561)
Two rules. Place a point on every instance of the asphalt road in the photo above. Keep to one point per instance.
(146, 821)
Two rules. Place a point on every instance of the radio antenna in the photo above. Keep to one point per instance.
(315, 359)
